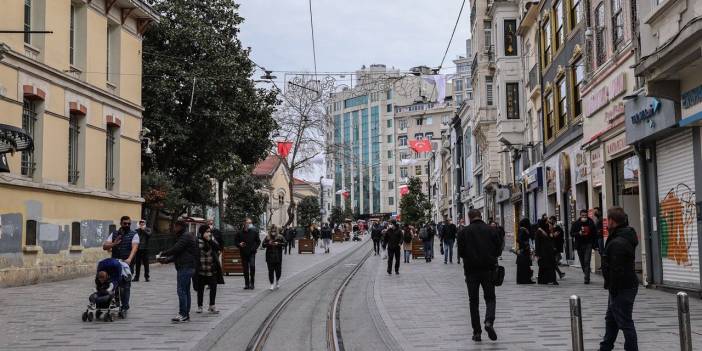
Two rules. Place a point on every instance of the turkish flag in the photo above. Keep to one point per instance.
(404, 190)
(284, 148)
(346, 194)
(420, 145)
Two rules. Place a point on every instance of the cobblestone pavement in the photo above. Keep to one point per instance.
(47, 316)
(426, 308)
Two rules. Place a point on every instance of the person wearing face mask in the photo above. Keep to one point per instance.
(585, 233)
(124, 244)
(248, 240)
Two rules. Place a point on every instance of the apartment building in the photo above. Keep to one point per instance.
(77, 92)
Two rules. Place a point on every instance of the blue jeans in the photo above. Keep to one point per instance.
(619, 309)
(427, 250)
(448, 250)
(125, 287)
(407, 255)
(185, 276)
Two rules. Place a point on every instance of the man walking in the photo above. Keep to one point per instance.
(248, 240)
(185, 254)
(326, 237)
(393, 239)
(425, 235)
(448, 235)
(479, 245)
(585, 233)
(376, 234)
(618, 270)
(124, 244)
(142, 255)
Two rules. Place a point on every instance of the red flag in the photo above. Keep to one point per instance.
(404, 190)
(284, 148)
(420, 145)
(346, 194)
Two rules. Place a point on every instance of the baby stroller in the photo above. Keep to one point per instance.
(105, 301)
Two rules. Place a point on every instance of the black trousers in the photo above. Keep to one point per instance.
(289, 246)
(274, 270)
(203, 281)
(376, 247)
(474, 280)
(249, 263)
(141, 258)
(394, 252)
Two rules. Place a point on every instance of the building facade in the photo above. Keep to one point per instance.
(77, 92)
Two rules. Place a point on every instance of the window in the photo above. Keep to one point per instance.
(510, 40)
(617, 22)
(558, 21)
(428, 135)
(478, 185)
(578, 76)
(107, 62)
(27, 21)
(391, 201)
(562, 103)
(29, 120)
(403, 124)
(390, 169)
(418, 170)
(548, 115)
(110, 157)
(487, 32)
(512, 97)
(488, 90)
(458, 84)
(389, 123)
(445, 119)
(402, 140)
(391, 185)
(576, 12)
(389, 153)
(72, 36)
(403, 172)
(459, 99)
(388, 108)
(418, 136)
(388, 94)
(389, 138)
(546, 39)
(420, 121)
(600, 54)
(404, 155)
(428, 121)
(73, 135)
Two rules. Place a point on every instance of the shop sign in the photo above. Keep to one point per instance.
(616, 146)
(581, 167)
(598, 99)
(691, 97)
(614, 112)
(597, 167)
(646, 116)
(534, 178)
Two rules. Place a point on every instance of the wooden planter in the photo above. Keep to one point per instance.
(231, 261)
(305, 246)
(417, 248)
(338, 236)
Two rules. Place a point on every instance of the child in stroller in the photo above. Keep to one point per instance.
(105, 300)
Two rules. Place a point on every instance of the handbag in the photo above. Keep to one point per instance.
(498, 275)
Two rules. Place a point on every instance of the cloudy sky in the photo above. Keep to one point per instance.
(352, 33)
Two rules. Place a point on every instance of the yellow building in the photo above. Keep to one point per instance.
(77, 91)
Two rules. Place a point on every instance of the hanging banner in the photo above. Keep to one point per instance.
(420, 145)
(284, 148)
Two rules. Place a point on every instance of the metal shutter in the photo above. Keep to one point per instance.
(677, 218)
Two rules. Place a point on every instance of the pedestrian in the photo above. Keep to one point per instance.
(184, 254)
(461, 225)
(524, 272)
(274, 244)
(480, 245)
(376, 235)
(383, 241)
(248, 241)
(424, 235)
(326, 235)
(501, 232)
(393, 239)
(585, 233)
(545, 254)
(315, 234)
(407, 236)
(124, 244)
(432, 235)
(209, 270)
(142, 255)
(558, 241)
(289, 234)
(448, 236)
(618, 270)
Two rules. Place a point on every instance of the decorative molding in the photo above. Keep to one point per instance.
(18, 181)
(76, 107)
(32, 93)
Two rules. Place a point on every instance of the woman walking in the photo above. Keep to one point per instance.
(524, 272)
(209, 270)
(407, 236)
(545, 252)
(274, 244)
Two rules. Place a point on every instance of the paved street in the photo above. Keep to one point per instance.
(47, 316)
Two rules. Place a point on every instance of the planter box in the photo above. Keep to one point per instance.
(417, 248)
(338, 236)
(305, 246)
(231, 261)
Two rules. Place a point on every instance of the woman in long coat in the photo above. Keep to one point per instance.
(274, 244)
(524, 272)
(546, 254)
(209, 270)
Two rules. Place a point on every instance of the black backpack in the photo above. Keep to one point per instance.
(408, 237)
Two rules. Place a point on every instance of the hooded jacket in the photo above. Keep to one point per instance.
(618, 267)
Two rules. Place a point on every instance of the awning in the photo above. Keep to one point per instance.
(13, 139)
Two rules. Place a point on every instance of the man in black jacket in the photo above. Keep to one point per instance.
(479, 245)
(448, 237)
(393, 239)
(185, 255)
(585, 233)
(248, 240)
(142, 255)
(376, 234)
(618, 270)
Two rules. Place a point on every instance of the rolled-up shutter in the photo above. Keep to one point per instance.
(677, 217)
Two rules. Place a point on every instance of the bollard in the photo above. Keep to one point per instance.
(576, 323)
(684, 321)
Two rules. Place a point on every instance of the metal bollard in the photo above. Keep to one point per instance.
(576, 323)
(684, 321)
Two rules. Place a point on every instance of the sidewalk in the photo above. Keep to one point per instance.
(426, 307)
(48, 316)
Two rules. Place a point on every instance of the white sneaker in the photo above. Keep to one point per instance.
(272, 287)
(199, 309)
(277, 285)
